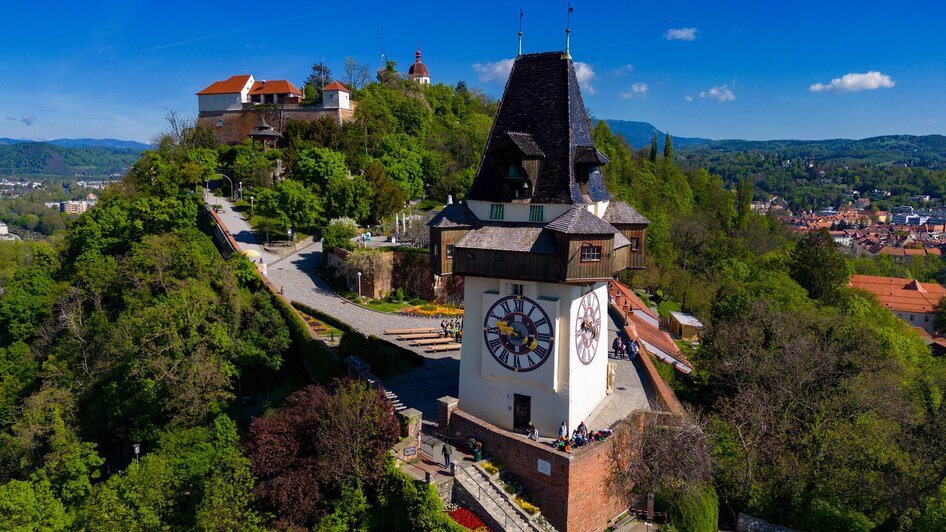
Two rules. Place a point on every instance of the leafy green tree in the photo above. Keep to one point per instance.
(30, 506)
(653, 150)
(668, 147)
(317, 166)
(25, 303)
(338, 235)
(818, 265)
(386, 197)
(939, 316)
(299, 204)
(348, 197)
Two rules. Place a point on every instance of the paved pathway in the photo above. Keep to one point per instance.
(238, 227)
(295, 276)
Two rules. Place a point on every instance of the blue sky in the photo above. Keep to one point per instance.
(725, 69)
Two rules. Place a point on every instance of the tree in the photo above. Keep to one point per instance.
(320, 76)
(653, 150)
(660, 453)
(316, 166)
(386, 197)
(316, 443)
(744, 190)
(939, 316)
(818, 265)
(668, 147)
(30, 506)
(356, 75)
(299, 204)
(347, 196)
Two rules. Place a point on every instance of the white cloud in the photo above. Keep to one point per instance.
(680, 34)
(624, 69)
(498, 71)
(638, 90)
(721, 93)
(689, 98)
(855, 82)
(585, 74)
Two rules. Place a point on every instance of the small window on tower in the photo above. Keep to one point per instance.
(496, 211)
(536, 213)
(590, 253)
(517, 289)
(635, 244)
(449, 251)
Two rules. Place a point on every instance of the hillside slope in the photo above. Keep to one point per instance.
(47, 160)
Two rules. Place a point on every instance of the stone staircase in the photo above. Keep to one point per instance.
(492, 500)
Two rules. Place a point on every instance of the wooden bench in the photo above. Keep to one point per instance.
(433, 341)
(410, 331)
(443, 347)
(420, 336)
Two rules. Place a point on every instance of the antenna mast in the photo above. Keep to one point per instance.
(383, 65)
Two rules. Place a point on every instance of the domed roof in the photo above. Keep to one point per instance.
(418, 69)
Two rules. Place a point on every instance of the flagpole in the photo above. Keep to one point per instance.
(568, 31)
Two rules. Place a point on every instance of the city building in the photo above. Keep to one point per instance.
(233, 93)
(909, 299)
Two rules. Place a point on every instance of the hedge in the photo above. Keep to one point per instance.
(314, 354)
(384, 357)
(323, 317)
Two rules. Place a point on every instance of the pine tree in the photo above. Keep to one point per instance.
(668, 147)
(818, 266)
(653, 149)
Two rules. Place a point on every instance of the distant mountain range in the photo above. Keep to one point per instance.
(43, 160)
(926, 150)
(83, 143)
(639, 135)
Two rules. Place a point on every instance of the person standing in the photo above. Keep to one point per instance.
(563, 431)
(447, 453)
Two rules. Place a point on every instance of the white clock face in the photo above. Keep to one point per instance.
(587, 327)
(518, 333)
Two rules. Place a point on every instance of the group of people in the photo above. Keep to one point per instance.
(452, 327)
(627, 350)
(580, 436)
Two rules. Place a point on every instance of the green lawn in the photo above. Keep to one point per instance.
(384, 306)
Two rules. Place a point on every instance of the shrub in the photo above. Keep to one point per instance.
(384, 357)
(697, 512)
(338, 236)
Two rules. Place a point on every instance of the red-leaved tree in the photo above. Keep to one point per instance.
(316, 442)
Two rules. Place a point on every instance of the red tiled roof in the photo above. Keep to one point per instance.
(904, 295)
(276, 86)
(228, 86)
(335, 86)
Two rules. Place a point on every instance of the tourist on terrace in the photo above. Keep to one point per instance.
(563, 431)
(447, 452)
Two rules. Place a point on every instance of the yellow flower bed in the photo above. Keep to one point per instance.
(433, 310)
(492, 467)
(529, 508)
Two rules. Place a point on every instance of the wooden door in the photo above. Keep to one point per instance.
(521, 411)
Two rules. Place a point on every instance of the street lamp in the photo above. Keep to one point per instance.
(251, 206)
(232, 191)
(359, 286)
(241, 190)
(137, 448)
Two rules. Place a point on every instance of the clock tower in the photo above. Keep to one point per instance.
(537, 239)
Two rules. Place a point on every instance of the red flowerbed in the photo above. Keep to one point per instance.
(468, 519)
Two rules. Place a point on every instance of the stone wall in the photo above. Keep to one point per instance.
(571, 490)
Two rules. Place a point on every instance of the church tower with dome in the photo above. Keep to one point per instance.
(418, 71)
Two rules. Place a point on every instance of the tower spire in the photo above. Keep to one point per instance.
(520, 31)
(568, 31)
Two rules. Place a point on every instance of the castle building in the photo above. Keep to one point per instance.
(537, 240)
(418, 71)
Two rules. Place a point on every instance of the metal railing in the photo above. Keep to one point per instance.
(480, 492)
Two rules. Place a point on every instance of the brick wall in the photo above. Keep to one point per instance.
(573, 496)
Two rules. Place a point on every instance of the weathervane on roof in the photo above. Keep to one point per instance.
(520, 31)
(568, 30)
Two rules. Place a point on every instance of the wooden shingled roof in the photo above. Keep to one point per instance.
(578, 221)
(619, 212)
(542, 99)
